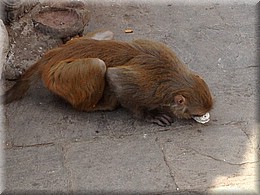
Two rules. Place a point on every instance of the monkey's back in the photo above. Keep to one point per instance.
(113, 53)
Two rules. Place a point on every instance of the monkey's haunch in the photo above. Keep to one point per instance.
(79, 81)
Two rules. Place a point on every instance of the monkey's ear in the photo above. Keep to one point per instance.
(179, 100)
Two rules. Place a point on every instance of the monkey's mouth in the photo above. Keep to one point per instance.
(202, 119)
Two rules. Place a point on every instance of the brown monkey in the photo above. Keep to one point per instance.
(146, 77)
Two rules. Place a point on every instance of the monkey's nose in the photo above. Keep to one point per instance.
(203, 119)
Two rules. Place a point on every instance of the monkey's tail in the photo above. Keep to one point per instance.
(22, 85)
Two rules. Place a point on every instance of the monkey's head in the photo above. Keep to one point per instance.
(193, 99)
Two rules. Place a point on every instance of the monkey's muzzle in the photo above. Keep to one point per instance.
(203, 119)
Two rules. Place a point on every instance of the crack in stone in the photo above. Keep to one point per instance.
(252, 66)
(64, 149)
(254, 143)
(216, 6)
(230, 163)
(215, 28)
(235, 123)
(13, 146)
(246, 134)
(164, 130)
(166, 163)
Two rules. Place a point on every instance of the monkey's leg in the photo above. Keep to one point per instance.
(108, 102)
(79, 81)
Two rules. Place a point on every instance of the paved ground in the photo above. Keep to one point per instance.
(52, 148)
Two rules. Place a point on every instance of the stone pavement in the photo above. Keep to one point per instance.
(51, 148)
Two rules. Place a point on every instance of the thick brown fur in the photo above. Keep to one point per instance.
(143, 76)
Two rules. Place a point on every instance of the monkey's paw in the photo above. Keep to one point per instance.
(162, 120)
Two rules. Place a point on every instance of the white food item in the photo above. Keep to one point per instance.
(203, 119)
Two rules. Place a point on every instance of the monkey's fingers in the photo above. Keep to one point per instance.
(162, 120)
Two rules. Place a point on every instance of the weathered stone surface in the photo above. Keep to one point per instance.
(130, 165)
(4, 46)
(199, 158)
(28, 45)
(13, 10)
(39, 168)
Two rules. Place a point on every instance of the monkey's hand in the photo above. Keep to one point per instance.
(160, 118)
